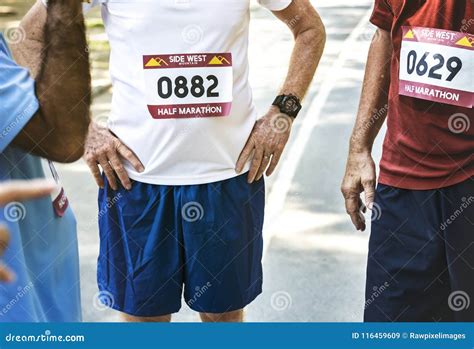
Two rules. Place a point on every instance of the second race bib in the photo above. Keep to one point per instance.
(437, 65)
(59, 199)
(189, 85)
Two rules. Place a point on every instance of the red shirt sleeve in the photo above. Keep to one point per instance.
(382, 16)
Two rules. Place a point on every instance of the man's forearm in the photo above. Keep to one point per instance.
(310, 38)
(58, 130)
(29, 52)
(374, 99)
(307, 52)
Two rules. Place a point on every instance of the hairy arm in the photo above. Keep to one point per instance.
(310, 38)
(360, 170)
(374, 98)
(271, 132)
(29, 52)
(55, 52)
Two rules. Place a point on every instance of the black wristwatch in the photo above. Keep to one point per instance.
(288, 104)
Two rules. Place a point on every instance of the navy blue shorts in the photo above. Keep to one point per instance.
(421, 255)
(156, 241)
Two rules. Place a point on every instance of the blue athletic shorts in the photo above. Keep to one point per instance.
(157, 241)
(421, 255)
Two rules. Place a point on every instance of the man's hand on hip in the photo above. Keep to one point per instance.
(104, 149)
(266, 143)
(360, 177)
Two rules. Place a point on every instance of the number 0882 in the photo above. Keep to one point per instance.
(181, 87)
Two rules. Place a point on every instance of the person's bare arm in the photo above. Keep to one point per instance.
(271, 132)
(360, 173)
(310, 38)
(29, 52)
(55, 51)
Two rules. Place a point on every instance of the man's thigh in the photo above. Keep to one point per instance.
(223, 248)
(458, 231)
(407, 277)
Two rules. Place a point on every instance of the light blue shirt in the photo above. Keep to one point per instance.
(43, 250)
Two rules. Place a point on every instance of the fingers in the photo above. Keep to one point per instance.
(353, 209)
(369, 190)
(273, 164)
(244, 156)
(362, 206)
(130, 156)
(5, 274)
(95, 172)
(354, 206)
(104, 149)
(122, 174)
(108, 170)
(266, 160)
(4, 239)
(256, 163)
(25, 190)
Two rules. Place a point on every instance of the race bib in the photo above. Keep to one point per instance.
(437, 65)
(59, 199)
(189, 85)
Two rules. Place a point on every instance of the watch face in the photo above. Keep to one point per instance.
(290, 104)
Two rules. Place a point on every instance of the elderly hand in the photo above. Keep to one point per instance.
(360, 177)
(266, 142)
(104, 149)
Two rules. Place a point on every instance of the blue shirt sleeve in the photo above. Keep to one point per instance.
(18, 102)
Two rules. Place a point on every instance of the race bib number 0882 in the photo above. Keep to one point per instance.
(437, 65)
(189, 85)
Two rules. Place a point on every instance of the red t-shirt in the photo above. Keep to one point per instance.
(420, 151)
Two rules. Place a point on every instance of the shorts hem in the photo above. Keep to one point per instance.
(242, 305)
(138, 313)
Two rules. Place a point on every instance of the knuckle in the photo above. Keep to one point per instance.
(368, 182)
(346, 189)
